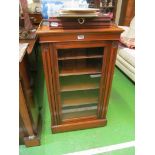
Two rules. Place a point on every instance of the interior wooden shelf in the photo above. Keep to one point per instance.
(80, 57)
(82, 82)
(88, 53)
(78, 114)
(78, 70)
(79, 98)
(79, 109)
(79, 106)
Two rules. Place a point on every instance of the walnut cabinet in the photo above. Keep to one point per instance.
(78, 66)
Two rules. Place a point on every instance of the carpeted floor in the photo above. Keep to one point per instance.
(120, 127)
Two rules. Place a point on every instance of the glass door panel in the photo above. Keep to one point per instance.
(79, 75)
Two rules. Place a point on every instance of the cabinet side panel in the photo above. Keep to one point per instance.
(49, 84)
(105, 65)
(56, 85)
(109, 76)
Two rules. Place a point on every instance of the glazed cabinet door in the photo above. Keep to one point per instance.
(79, 74)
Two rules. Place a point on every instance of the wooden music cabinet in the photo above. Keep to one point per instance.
(78, 66)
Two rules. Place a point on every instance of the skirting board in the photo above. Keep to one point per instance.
(79, 125)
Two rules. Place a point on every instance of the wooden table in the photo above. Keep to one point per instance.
(32, 46)
(28, 109)
(31, 43)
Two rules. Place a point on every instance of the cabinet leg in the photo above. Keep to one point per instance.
(32, 141)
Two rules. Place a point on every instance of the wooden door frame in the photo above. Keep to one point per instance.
(80, 44)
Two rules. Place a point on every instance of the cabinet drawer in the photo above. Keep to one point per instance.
(66, 37)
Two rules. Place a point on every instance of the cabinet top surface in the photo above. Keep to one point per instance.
(45, 29)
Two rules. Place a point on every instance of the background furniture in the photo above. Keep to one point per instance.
(32, 51)
(24, 9)
(126, 61)
(126, 56)
(31, 44)
(106, 6)
(78, 66)
(29, 116)
(127, 12)
(36, 18)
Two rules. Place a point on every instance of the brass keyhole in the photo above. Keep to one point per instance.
(81, 20)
